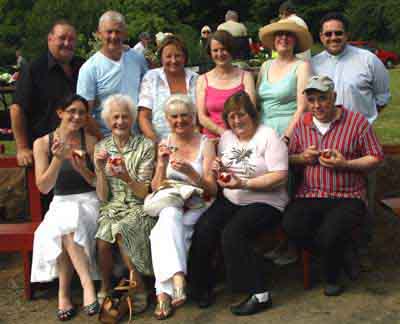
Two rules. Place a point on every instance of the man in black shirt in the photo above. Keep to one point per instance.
(40, 86)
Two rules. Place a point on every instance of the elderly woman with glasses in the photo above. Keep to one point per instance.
(64, 241)
(184, 158)
(252, 168)
(124, 167)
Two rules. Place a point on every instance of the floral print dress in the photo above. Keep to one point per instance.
(123, 212)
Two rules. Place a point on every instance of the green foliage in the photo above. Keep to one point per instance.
(26, 22)
(13, 15)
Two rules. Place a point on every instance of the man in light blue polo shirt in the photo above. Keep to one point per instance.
(111, 70)
(361, 80)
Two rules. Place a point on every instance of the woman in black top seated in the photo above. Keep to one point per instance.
(64, 241)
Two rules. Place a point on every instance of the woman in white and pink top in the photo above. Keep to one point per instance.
(252, 170)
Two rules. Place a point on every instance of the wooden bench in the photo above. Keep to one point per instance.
(19, 237)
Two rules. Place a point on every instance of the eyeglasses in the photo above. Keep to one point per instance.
(205, 32)
(76, 112)
(337, 33)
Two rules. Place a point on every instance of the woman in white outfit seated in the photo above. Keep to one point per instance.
(65, 241)
(186, 156)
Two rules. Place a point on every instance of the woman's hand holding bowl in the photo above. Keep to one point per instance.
(164, 153)
(100, 159)
(229, 181)
(59, 149)
(183, 167)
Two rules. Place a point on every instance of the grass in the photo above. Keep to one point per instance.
(386, 127)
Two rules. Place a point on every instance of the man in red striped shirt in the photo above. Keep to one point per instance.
(335, 149)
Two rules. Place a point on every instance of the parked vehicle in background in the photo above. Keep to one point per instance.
(389, 58)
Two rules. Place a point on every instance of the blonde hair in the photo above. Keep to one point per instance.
(176, 101)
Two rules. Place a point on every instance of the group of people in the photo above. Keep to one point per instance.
(162, 166)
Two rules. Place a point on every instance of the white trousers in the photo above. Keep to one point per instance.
(170, 241)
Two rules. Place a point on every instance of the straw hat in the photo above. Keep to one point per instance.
(304, 38)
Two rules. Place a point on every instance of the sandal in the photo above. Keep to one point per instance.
(66, 315)
(178, 297)
(91, 309)
(163, 309)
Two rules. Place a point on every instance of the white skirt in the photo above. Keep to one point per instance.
(67, 214)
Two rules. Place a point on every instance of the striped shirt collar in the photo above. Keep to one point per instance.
(308, 117)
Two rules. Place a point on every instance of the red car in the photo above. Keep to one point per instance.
(388, 58)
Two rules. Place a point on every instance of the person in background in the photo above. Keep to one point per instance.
(281, 82)
(215, 86)
(205, 63)
(64, 241)
(189, 162)
(334, 148)
(239, 32)
(143, 44)
(232, 24)
(106, 72)
(21, 61)
(124, 165)
(251, 168)
(158, 85)
(287, 10)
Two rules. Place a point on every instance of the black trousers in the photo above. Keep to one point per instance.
(236, 227)
(326, 225)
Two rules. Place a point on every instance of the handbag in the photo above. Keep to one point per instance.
(114, 308)
(171, 193)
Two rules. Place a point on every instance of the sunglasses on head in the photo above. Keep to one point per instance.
(336, 32)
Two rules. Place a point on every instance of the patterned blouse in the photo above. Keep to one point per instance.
(154, 91)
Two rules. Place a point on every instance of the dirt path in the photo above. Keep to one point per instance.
(375, 298)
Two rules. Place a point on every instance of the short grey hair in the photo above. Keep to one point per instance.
(119, 100)
(112, 15)
(179, 100)
(231, 15)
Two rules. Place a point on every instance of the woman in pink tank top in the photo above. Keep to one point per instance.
(216, 86)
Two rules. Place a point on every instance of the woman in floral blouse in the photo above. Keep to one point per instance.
(158, 85)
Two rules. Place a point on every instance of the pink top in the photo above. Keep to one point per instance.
(214, 101)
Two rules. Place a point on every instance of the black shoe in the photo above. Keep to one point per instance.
(205, 300)
(332, 290)
(251, 306)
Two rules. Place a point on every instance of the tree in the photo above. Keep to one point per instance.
(12, 27)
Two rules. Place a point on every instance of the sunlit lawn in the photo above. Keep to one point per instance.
(387, 126)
